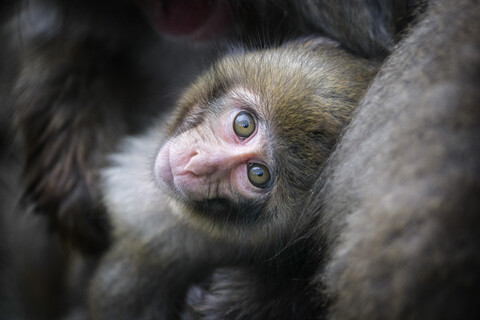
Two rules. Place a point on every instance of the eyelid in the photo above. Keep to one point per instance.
(249, 109)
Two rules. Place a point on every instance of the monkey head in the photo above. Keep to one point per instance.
(251, 135)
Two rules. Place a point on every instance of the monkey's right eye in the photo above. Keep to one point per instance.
(258, 175)
(243, 125)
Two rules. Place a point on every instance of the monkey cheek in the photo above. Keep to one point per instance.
(190, 187)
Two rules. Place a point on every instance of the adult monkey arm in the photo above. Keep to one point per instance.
(401, 194)
(69, 100)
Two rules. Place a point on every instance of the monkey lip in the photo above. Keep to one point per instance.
(197, 20)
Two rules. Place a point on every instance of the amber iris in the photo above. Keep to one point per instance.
(244, 125)
(258, 175)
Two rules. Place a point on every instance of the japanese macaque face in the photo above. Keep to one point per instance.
(227, 156)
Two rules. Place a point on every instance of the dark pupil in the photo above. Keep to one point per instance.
(257, 171)
(244, 124)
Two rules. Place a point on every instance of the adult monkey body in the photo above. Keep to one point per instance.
(399, 198)
(402, 189)
(223, 183)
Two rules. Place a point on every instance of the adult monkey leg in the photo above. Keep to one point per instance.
(401, 196)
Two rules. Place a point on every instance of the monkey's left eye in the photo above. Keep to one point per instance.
(243, 125)
(258, 175)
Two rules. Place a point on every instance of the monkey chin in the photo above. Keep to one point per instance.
(163, 171)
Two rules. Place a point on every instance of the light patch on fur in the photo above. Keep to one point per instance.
(132, 196)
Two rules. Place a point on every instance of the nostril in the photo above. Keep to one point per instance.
(200, 164)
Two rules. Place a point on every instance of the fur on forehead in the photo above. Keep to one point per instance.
(292, 71)
(260, 71)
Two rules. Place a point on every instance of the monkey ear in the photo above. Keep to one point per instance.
(313, 43)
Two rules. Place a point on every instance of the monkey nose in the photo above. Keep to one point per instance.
(216, 162)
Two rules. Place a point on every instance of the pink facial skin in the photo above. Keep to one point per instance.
(210, 161)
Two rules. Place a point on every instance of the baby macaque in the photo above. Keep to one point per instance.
(223, 182)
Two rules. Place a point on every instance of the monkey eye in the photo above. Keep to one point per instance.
(258, 175)
(243, 125)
